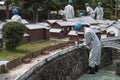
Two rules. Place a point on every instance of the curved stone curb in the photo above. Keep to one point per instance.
(56, 54)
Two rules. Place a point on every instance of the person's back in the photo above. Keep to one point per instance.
(91, 38)
(89, 10)
(93, 42)
(16, 17)
(99, 11)
(69, 11)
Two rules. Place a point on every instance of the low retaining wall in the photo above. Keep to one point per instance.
(67, 64)
(2, 68)
(27, 58)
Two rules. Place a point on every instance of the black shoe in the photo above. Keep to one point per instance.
(92, 71)
(96, 68)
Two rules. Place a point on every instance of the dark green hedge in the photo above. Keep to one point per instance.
(113, 17)
(107, 14)
(12, 33)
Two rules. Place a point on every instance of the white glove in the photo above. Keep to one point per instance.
(81, 45)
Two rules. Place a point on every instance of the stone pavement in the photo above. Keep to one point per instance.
(107, 73)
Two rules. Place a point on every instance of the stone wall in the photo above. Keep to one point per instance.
(69, 65)
(115, 54)
(106, 57)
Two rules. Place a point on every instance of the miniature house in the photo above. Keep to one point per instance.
(104, 24)
(103, 28)
(56, 33)
(37, 32)
(75, 36)
(25, 38)
(114, 28)
(111, 34)
(52, 21)
(65, 27)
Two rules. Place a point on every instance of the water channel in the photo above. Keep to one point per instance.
(107, 73)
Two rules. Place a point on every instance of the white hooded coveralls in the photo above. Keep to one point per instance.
(16, 17)
(90, 11)
(99, 12)
(69, 11)
(92, 41)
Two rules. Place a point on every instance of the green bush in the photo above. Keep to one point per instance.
(113, 17)
(12, 33)
(107, 14)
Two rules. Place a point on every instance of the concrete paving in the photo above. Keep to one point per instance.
(107, 73)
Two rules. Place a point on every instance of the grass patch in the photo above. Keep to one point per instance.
(26, 48)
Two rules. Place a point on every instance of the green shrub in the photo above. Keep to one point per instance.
(12, 33)
(107, 14)
(113, 17)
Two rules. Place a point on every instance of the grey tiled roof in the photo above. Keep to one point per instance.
(35, 26)
(44, 24)
(22, 21)
(117, 25)
(111, 32)
(53, 21)
(63, 23)
(96, 30)
(55, 30)
(73, 32)
(88, 19)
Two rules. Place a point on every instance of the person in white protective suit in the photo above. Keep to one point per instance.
(99, 11)
(94, 44)
(89, 10)
(69, 10)
(16, 17)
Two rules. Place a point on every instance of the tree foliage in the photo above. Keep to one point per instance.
(106, 4)
(55, 5)
(33, 5)
(79, 4)
(12, 34)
